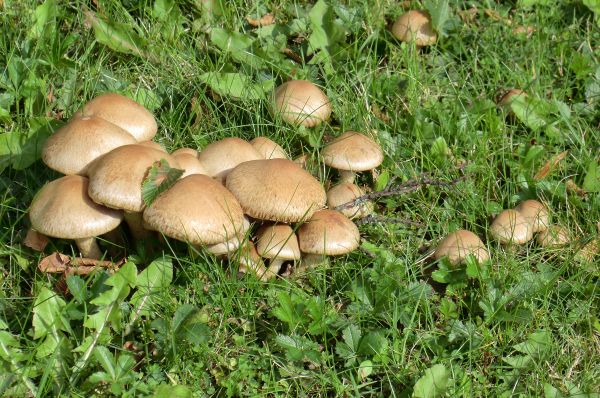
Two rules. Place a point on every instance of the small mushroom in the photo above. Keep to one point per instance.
(188, 151)
(63, 209)
(536, 214)
(220, 157)
(278, 243)
(352, 152)
(251, 262)
(458, 245)
(301, 102)
(124, 112)
(326, 233)
(588, 251)
(510, 227)
(189, 163)
(506, 98)
(554, 236)
(268, 148)
(344, 193)
(415, 26)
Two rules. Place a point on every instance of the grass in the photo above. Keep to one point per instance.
(382, 321)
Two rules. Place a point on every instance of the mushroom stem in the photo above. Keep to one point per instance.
(274, 267)
(136, 227)
(89, 248)
(347, 176)
(310, 261)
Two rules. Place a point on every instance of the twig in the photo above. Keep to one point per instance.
(372, 219)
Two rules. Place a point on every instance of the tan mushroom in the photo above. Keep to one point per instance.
(345, 193)
(63, 209)
(276, 190)
(510, 227)
(415, 26)
(220, 157)
(458, 245)
(124, 112)
(278, 243)
(189, 163)
(554, 236)
(535, 213)
(251, 262)
(188, 151)
(301, 102)
(268, 148)
(352, 152)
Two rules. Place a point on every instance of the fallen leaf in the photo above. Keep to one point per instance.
(523, 30)
(61, 263)
(573, 187)
(380, 114)
(35, 240)
(495, 15)
(550, 165)
(267, 19)
(469, 15)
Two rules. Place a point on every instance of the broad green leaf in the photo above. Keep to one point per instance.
(591, 181)
(351, 335)
(382, 181)
(236, 85)
(365, 369)
(20, 149)
(44, 18)
(373, 344)
(77, 288)
(47, 314)
(531, 3)
(118, 37)
(238, 45)
(439, 10)
(434, 383)
(121, 282)
(529, 111)
(536, 345)
(189, 323)
(160, 177)
(156, 277)
(551, 392)
(177, 391)
(326, 30)
(594, 5)
(298, 348)
(106, 360)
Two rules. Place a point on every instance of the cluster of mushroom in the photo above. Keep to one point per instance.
(512, 227)
(106, 152)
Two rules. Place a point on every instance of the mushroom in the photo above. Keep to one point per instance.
(509, 96)
(344, 193)
(415, 25)
(76, 144)
(588, 251)
(124, 112)
(116, 180)
(352, 152)
(63, 209)
(198, 210)
(152, 144)
(189, 151)
(510, 227)
(220, 157)
(278, 243)
(457, 245)
(276, 190)
(189, 163)
(227, 248)
(554, 236)
(269, 149)
(251, 262)
(301, 102)
(326, 233)
(536, 214)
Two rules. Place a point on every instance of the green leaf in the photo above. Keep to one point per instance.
(177, 391)
(118, 37)
(326, 30)
(551, 392)
(382, 181)
(189, 323)
(531, 3)
(351, 336)
(439, 10)
(106, 360)
(537, 344)
(591, 181)
(530, 111)
(160, 177)
(373, 344)
(238, 45)
(44, 19)
(236, 85)
(77, 288)
(47, 314)
(434, 382)
(594, 5)
(298, 348)
(156, 277)
(21, 149)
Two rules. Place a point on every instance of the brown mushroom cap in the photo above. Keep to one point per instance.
(346, 192)
(352, 151)
(415, 25)
(63, 209)
(458, 245)
(124, 112)
(76, 144)
(328, 232)
(116, 178)
(220, 157)
(277, 241)
(301, 102)
(198, 210)
(229, 246)
(509, 96)
(268, 148)
(189, 151)
(535, 213)
(511, 227)
(189, 163)
(276, 190)
(588, 251)
(554, 236)
(152, 144)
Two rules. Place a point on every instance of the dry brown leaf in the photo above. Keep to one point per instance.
(61, 263)
(523, 30)
(573, 187)
(35, 240)
(495, 15)
(267, 19)
(469, 15)
(550, 165)
(380, 114)
(291, 54)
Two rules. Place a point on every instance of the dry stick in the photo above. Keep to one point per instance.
(372, 219)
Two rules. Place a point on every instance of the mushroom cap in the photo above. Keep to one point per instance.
(231, 245)
(328, 232)
(116, 178)
(554, 236)
(189, 163)
(509, 96)
(268, 148)
(198, 210)
(590, 250)
(536, 214)
(415, 25)
(277, 241)
(63, 209)
(220, 157)
(301, 102)
(276, 190)
(346, 192)
(76, 144)
(511, 227)
(457, 245)
(352, 151)
(124, 112)
(152, 144)
(189, 151)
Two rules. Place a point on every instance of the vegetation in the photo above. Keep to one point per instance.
(386, 320)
